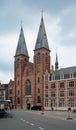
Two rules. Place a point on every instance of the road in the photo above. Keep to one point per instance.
(26, 120)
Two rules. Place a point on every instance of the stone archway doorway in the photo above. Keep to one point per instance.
(28, 104)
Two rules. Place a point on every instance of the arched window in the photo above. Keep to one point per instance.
(28, 88)
(38, 99)
(18, 82)
(38, 58)
(18, 100)
(18, 92)
(38, 80)
(38, 90)
(18, 63)
(25, 62)
(46, 58)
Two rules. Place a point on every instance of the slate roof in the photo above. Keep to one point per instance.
(66, 70)
(21, 47)
(42, 41)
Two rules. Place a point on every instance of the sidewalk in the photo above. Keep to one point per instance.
(60, 114)
(63, 115)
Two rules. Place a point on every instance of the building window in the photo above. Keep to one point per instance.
(53, 103)
(38, 99)
(71, 102)
(66, 76)
(18, 92)
(18, 100)
(46, 103)
(46, 93)
(57, 77)
(10, 91)
(61, 93)
(53, 94)
(52, 85)
(18, 63)
(38, 90)
(74, 75)
(71, 92)
(38, 80)
(62, 85)
(25, 62)
(18, 82)
(61, 103)
(46, 86)
(28, 88)
(71, 84)
(46, 58)
(38, 58)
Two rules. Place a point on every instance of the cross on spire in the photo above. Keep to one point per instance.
(42, 12)
(21, 23)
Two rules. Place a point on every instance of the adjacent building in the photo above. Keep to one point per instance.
(3, 91)
(60, 89)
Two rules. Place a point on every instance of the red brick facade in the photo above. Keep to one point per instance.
(33, 73)
(39, 70)
(29, 77)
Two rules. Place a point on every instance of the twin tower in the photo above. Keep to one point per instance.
(28, 76)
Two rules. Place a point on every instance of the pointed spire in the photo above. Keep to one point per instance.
(42, 12)
(21, 47)
(42, 41)
(56, 62)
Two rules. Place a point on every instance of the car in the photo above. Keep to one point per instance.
(36, 108)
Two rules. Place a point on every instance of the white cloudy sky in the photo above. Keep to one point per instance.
(60, 24)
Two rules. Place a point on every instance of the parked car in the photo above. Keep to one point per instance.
(36, 108)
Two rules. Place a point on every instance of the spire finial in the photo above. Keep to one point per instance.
(21, 23)
(56, 62)
(56, 50)
(42, 12)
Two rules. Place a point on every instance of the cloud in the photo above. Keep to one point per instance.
(7, 52)
(68, 26)
(60, 25)
(54, 6)
(6, 76)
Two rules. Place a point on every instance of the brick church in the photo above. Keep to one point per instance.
(38, 83)
(29, 77)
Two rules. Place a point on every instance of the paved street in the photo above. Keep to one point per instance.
(35, 120)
